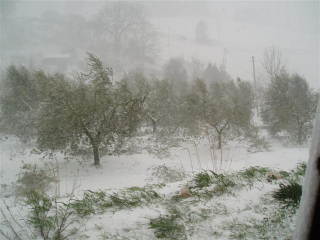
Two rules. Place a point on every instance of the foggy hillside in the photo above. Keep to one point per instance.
(235, 31)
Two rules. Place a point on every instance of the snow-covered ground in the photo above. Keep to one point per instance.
(119, 172)
(135, 169)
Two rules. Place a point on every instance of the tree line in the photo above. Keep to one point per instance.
(92, 110)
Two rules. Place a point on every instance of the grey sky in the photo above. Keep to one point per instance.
(241, 28)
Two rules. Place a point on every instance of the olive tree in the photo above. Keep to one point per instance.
(89, 109)
(162, 106)
(223, 106)
(289, 106)
(22, 91)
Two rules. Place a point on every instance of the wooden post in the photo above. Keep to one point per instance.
(255, 87)
(308, 218)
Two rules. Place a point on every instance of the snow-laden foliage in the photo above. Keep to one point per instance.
(92, 108)
(289, 106)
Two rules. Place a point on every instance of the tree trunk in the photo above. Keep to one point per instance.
(219, 140)
(96, 155)
(154, 126)
(219, 131)
(300, 132)
(154, 123)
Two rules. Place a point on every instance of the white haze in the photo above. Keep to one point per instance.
(238, 30)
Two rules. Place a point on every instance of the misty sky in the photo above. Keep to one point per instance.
(239, 30)
(243, 29)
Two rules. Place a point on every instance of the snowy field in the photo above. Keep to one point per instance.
(242, 211)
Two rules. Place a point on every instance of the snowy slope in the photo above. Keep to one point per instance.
(225, 214)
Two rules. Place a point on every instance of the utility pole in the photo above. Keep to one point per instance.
(254, 74)
(255, 87)
(168, 43)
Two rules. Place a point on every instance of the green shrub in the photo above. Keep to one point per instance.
(254, 173)
(97, 202)
(285, 174)
(132, 197)
(90, 203)
(123, 201)
(222, 184)
(300, 169)
(33, 178)
(209, 184)
(202, 179)
(288, 194)
(83, 207)
(295, 175)
(50, 219)
(224, 180)
(169, 226)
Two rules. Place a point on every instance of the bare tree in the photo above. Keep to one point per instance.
(124, 33)
(272, 61)
(117, 18)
